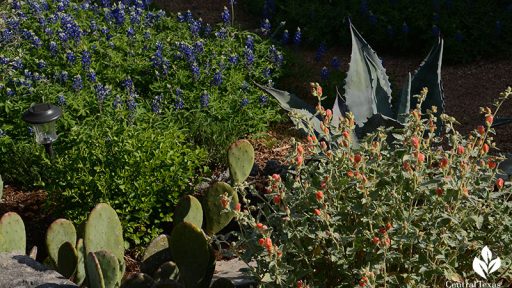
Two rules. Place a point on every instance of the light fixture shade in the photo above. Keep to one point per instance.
(42, 117)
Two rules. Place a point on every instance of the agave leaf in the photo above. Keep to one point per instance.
(338, 109)
(404, 102)
(498, 121)
(367, 87)
(376, 121)
(429, 75)
(302, 111)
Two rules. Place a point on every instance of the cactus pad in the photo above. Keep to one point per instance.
(189, 210)
(223, 283)
(241, 160)
(167, 271)
(12, 234)
(67, 260)
(109, 268)
(80, 268)
(191, 252)
(157, 253)
(138, 280)
(216, 197)
(103, 231)
(94, 273)
(59, 232)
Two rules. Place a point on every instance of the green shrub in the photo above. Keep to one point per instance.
(471, 29)
(411, 212)
(129, 73)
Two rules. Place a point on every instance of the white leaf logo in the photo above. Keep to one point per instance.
(487, 266)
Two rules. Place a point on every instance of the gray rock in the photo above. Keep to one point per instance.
(237, 271)
(21, 271)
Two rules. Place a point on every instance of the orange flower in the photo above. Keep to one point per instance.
(299, 160)
(480, 129)
(357, 158)
(375, 240)
(415, 142)
(238, 207)
(439, 191)
(489, 119)
(277, 199)
(420, 157)
(491, 164)
(317, 212)
(485, 148)
(261, 241)
(460, 150)
(276, 177)
(319, 195)
(389, 226)
(443, 163)
(499, 183)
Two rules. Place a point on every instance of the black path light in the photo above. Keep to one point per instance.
(42, 117)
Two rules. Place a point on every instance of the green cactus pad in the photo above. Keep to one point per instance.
(94, 273)
(103, 231)
(191, 253)
(157, 253)
(223, 283)
(207, 279)
(109, 268)
(67, 260)
(189, 210)
(12, 234)
(167, 271)
(241, 160)
(59, 232)
(138, 280)
(80, 268)
(216, 216)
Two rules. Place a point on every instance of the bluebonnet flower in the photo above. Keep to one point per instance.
(335, 63)
(324, 74)
(86, 60)
(42, 21)
(199, 47)
(102, 92)
(13, 23)
(70, 56)
(166, 64)
(77, 83)
(263, 100)
(61, 100)
(34, 7)
(286, 37)
(249, 43)
(320, 52)
(267, 72)
(131, 104)
(118, 15)
(188, 16)
(134, 17)
(7, 35)
(63, 37)
(63, 76)
(53, 19)
(37, 42)
(195, 27)
(91, 76)
(249, 56)
(53, 48)
(226, 17)
(155, 105)
(458, 36)
(435, 31)
(116, 103)
(10, 92)
(157, 57)
(217, 78)
(3, 60)
(178, 104)
(195, 71)
(297, 37)
(130, 33)
(233, 59)
(181, 18)
(15, 5)
(48, 31)
(207, 30)
(17, 64)
(72, 29)
(222, 33)
(128, 85)
(244, 102)
(188, 51)
(93, 26)
(204, 100)
(265, 27)
(405, 28)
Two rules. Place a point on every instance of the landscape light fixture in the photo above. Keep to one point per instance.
(42, 117)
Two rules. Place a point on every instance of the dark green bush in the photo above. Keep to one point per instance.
(126, 73)
(471, 29)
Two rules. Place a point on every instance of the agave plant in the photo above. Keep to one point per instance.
(368, 91)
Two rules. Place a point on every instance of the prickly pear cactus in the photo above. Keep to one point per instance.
(218, 198)
(190, 249)
(109, 268)
(94, 273)
(59, 232)
(189, 210)
(67, 260)
(1, 188)
(223, 283)
(80, 268)
(138, 280)
(207, 279)
(103, 231)
(158, 252)
(12, 234)
(241, 160)
(167, 271)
